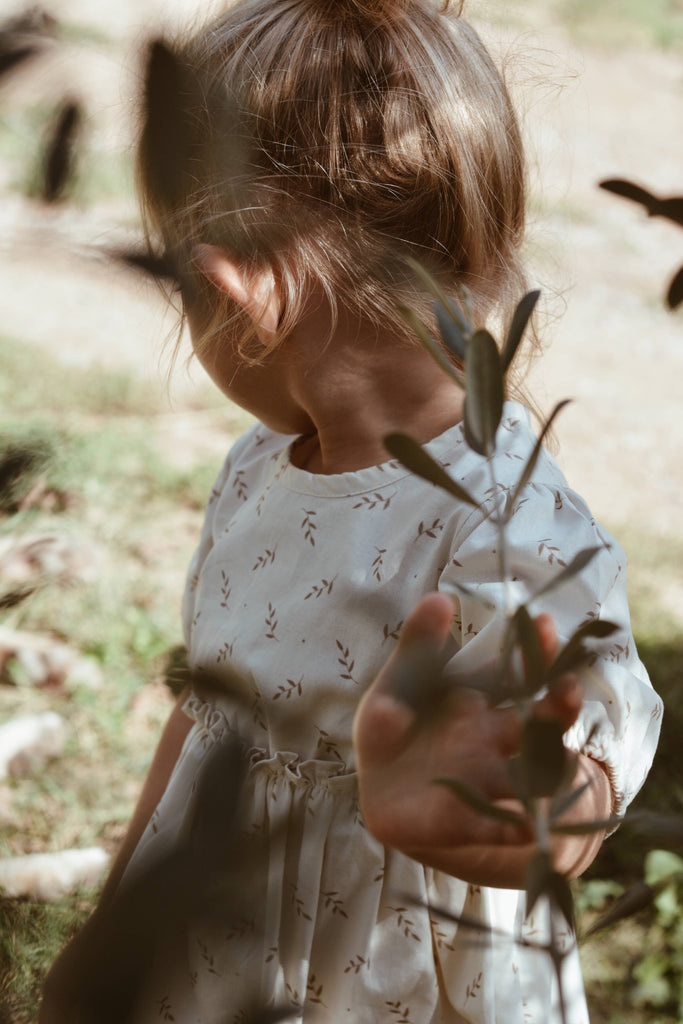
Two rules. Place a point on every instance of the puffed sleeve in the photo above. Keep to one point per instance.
(620, 720)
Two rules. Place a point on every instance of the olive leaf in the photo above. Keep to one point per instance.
(563, 800)
(483, 393)
(431, 284)
(577, 565)
(451, 327)
(429, 343)
(159, 265)
(543, 880)
(674, 296)
(538, 769)
(417, 677)
(521, 318)
(635, 899)
(165, 141)
(586, 828)
(573, 654)
(480, 803)
(530, 466)
(60, 152)
(671, 208)
(413, 456)
(528, 640)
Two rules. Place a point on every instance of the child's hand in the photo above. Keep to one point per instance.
(400, 754)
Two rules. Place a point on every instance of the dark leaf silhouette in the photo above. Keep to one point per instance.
(417, 679)
(577, 565)
(520, 320)
(563, 801)
(671, 208)
(635, 899)
(160, 266)
(60, 151)
(480, 803)
(543, 880)
(430, 343)
(586, 828)
(658, 831)
(674, 296)
(413, 456)
(483, 393)
(539, 767)
(530, 466)
(12, 55)
(15, 597)
(436, 291)
(526, 634)
(451, 327)
(574, 653)
(165, 142)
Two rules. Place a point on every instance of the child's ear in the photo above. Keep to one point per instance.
(255, 291)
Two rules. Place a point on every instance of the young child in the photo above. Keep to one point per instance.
(371, 130)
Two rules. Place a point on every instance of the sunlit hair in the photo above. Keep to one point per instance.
(331, 139)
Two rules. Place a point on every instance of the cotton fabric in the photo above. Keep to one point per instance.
(302, 583)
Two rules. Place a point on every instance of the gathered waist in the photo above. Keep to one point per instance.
(217, 724)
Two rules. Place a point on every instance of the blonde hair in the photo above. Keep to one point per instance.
(330, 139)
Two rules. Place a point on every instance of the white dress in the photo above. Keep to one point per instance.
(302, 582)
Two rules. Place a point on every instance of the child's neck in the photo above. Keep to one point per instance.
(358, 389)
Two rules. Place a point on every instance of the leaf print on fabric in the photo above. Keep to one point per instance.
(225, 589)
(207, 958)
(473, 988)
(405, 923)
(165, 1009)
(333, 902)
(401, 1013)
(346, 662)
(619, 651)
(267, 558)
(550, 551)
(314, 992)
(225, 651)
(378, 563)
(299, 903)
(356, 964)
(271, 622)
(430, 529)
(308, 526)
(289, 690)
(326, 744)
(318, 589)
(377, 500)
(239, 485)
(241, 929)
(294, 998)
(439, 937)
(391, 634)
(272, 953)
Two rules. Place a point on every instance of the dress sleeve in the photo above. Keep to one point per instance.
(620, 720)
(202, 550)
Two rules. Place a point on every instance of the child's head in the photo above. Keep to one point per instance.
(364, 131)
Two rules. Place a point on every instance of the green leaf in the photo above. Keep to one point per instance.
(413, 456)
(431, 284)
(577, 565)
(529, 468)
(430, 344)
(451, 326)
(517, 327)
(660, 865)
(483, 393)
(478, 802)
(574, 654)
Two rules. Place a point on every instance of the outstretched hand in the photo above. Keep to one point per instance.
(400, 753)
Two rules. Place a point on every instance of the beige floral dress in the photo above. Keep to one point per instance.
(302, 583)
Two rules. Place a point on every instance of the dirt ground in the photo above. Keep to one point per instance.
(589, 114)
